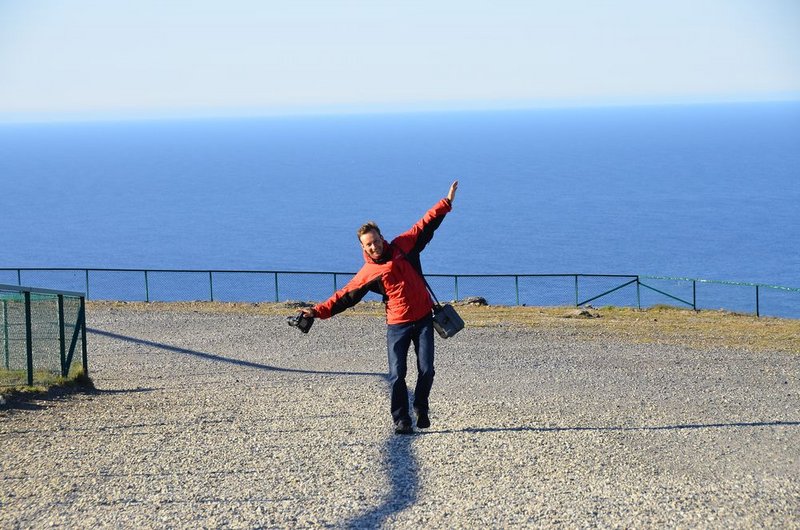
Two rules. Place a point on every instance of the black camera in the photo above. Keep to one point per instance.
(301, 322)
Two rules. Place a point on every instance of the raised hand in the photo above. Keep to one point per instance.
(451, 195)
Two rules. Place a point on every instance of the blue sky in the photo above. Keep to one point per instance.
(65, 59)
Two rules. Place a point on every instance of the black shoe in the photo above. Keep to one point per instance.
(423, 421)
(403, 427)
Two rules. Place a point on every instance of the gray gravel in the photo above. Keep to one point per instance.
(238, 421)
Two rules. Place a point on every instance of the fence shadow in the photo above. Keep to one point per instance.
(676, 427)
(230, 360)
(40, 400)
(137, 390)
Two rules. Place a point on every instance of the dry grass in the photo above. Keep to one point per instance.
(661, 325)
(693, 329)
(14, 384)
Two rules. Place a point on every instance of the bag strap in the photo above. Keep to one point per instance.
(430, 290)
(427, 285)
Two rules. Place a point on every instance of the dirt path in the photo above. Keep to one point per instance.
(208, 420)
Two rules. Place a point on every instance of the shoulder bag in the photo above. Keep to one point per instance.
(446, 321)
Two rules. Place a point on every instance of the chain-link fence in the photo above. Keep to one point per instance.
(41, 331)
(497, 289)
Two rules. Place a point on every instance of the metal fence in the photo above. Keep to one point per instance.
(39, 333)
(498, 289)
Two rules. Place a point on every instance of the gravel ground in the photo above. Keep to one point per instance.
(209, 420)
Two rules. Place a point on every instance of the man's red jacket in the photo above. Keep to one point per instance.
(397, 275)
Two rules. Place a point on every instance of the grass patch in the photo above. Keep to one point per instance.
(659, 325)
(14, 385)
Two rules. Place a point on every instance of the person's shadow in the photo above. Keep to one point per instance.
(403, 470)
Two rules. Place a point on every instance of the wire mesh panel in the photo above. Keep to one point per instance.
(497, 290)
(9, 276)
(243, 286)
(62, 280)
(13, 330)
(174, 286)
(127, 286)
(547, 290)
(676, 292)
(37, 334)
(527, 289)
(777, 302)
(309, 286)
(45, 329)
(730, 297)
(445, 287)
(607, 291)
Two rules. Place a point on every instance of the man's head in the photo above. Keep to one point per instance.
(369, 235)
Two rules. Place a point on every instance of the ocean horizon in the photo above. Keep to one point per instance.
(702, 191)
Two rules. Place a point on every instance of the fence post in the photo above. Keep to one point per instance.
(61, 339)
(29, 337)
(84, 353)
(758, 311)
(456, 285)
(576, 291)
(516, 286)
(87, 283)
(146, 288)
(335, 287)
(211, 285)
(19, 277)
(638, 294)
(276, 288)
(5, 335)
(694, 295)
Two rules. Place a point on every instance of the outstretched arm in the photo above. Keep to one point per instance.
(348, 296)
(415, 239)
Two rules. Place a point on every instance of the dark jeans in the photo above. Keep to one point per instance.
(399, 338)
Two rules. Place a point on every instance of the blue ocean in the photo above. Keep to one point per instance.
(703, 191)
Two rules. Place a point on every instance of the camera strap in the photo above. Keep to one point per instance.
(427, 285)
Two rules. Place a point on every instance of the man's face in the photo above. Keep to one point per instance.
(372, 243)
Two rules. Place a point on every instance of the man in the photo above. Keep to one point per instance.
(394, 271)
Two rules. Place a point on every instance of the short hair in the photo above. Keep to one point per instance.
(368, 227)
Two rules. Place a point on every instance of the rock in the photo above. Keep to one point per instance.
(296, 304)
(582, 312)
(473, 300)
